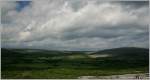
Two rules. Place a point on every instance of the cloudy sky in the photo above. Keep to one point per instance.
(74, 24)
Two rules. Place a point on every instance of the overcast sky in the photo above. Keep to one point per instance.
(74, 24)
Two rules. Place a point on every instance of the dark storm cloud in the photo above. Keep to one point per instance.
(135, 4)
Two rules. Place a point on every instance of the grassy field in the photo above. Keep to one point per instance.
(44, 64)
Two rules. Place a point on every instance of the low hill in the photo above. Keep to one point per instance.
(125, 53)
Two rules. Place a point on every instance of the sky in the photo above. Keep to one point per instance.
(74, 24)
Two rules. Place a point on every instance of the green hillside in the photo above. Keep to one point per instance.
(127, 53)
(36, 64)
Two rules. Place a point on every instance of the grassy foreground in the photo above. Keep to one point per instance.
(64, 73)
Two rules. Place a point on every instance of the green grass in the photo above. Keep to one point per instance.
(68, 73)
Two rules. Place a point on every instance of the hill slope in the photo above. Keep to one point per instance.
(125, 53)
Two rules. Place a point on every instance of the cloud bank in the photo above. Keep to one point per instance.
(75, 24)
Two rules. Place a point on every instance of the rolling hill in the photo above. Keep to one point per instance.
(125, 53)
(50, 64)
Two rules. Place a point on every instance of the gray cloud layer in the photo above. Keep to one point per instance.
(75, 24)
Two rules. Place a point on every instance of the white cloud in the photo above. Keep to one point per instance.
(62, 24)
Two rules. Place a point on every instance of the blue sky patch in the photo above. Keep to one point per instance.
(22, 4)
